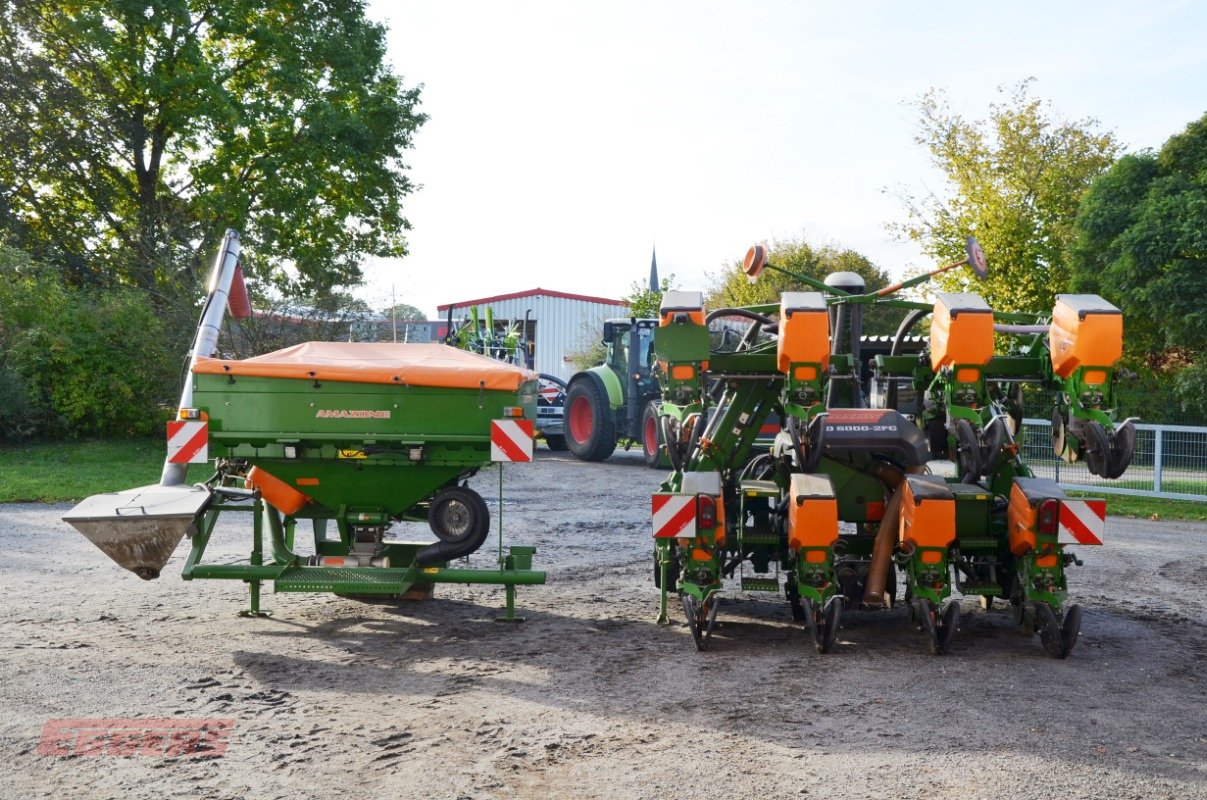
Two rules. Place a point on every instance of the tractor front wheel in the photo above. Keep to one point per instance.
(590, 429)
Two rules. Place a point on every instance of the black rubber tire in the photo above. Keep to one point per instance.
(968, 449)
(670, 435)
(1123, 447)
(588, 425)
(936, 436)
(556, 443)
(993, 440)
(651, 425)
(1016, 405)
(1097, 448)
(831, 621)
(458, 514)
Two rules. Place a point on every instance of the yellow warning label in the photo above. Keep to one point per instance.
(431, 570)
(352, 454)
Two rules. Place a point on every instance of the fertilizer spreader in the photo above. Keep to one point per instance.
(351, 436)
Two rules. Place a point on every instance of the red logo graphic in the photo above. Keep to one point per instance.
(124, 738)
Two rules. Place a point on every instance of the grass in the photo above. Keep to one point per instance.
(1121, 505)
(68, 471)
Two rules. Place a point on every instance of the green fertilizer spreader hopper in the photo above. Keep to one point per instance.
(351, 436)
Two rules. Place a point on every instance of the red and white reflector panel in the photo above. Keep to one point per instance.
(511, 439)
(188, 442)
(674, 515)
(1081, 522)
(550, 393)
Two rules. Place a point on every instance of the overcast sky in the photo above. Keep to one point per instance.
(567, 139)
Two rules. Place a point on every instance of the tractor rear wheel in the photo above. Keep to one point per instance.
(590, 429)
(651, 434)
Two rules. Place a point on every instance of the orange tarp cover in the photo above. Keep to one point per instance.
(376, 362)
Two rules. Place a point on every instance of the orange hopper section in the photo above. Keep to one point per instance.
(804, 330)
(812, 512)
(1086, 331)
(1025, 496)
(928, 512)
(961, 330)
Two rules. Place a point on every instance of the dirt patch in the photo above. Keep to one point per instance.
(588, 697)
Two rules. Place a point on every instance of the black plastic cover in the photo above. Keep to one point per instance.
(849, 431)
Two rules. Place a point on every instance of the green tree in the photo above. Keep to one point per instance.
(78, 361)
(643, 302)
(136, 132)
(403, 312)
(1015, 182)
(1142, 244)
(731, 288)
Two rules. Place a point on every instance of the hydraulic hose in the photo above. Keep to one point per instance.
(449, 551)
(910, 320)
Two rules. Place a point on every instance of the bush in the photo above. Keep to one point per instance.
(77, 362)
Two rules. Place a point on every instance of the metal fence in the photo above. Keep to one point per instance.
(1170, 462)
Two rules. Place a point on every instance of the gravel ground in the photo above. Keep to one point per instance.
(589, 698)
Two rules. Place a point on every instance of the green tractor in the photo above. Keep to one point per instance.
(618, 401)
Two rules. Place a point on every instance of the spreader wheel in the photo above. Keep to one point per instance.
(940, 624)
(1058, 636)
(458, 515)
(588, 420)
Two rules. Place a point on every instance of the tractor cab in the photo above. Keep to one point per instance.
(630, 348)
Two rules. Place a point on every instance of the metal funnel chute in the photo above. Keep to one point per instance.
(140, 528)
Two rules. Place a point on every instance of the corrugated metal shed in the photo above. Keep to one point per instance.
(560, 322)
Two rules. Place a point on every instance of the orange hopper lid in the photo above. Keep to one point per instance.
(436, 365)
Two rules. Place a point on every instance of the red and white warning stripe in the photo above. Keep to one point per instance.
(674, 515)
(1081, 522)
(188, 442)
(551, 393)
(511, 439)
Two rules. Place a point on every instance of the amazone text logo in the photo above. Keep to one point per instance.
(356, 413)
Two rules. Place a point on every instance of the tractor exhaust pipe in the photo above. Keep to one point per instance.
(140, 528)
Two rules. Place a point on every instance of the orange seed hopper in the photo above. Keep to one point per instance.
(928, 512)
(961, 330)
(1086, 331)
(812, 511)
(804, 332)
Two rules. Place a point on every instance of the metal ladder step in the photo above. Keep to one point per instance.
(351, 580)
